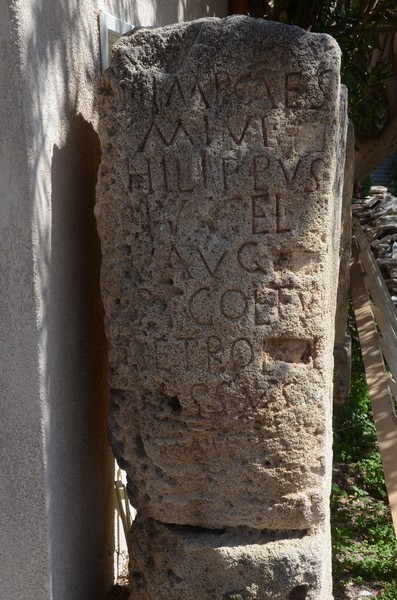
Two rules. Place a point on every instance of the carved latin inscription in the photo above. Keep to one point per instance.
(217, 224)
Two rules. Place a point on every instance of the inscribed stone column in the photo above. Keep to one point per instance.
(218, 210)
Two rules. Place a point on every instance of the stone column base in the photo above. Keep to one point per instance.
(169, 562)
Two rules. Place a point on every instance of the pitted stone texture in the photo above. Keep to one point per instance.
(217, 213)
(185, 564)
(235, 470)
(342, 349)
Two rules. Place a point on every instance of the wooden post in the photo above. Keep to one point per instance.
(377, 379)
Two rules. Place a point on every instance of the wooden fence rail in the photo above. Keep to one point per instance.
(376, 319)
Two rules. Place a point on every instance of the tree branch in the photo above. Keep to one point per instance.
(374, 151)
(389, 55)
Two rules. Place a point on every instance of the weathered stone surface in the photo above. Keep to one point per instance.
(184, 563)
(217, 215)
(342, 370)
(342, 349)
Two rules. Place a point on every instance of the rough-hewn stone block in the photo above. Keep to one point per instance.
(186, 563)
(217, 213)
(214, 212)
(342, 349)
(219, 217)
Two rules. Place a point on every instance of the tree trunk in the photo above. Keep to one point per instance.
(374, 151)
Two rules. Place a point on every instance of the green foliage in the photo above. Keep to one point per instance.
(390, 591)
(356, 25)
(364, 543)
(362, 189)
(367, 103)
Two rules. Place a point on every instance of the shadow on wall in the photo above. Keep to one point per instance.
(62, 65)
(61, 69)
(80, 468)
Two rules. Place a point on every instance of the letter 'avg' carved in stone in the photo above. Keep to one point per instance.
(218, 211)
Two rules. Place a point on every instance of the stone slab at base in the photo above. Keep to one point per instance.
(191, 563)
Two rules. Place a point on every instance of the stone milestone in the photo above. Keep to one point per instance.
(219, 216)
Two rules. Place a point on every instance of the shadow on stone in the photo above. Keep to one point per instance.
(299, 592)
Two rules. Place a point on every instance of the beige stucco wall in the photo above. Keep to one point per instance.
(22, 488)
(55, 466)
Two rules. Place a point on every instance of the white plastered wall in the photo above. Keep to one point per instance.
(23, 525)
(56, 493)
(164, 12)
